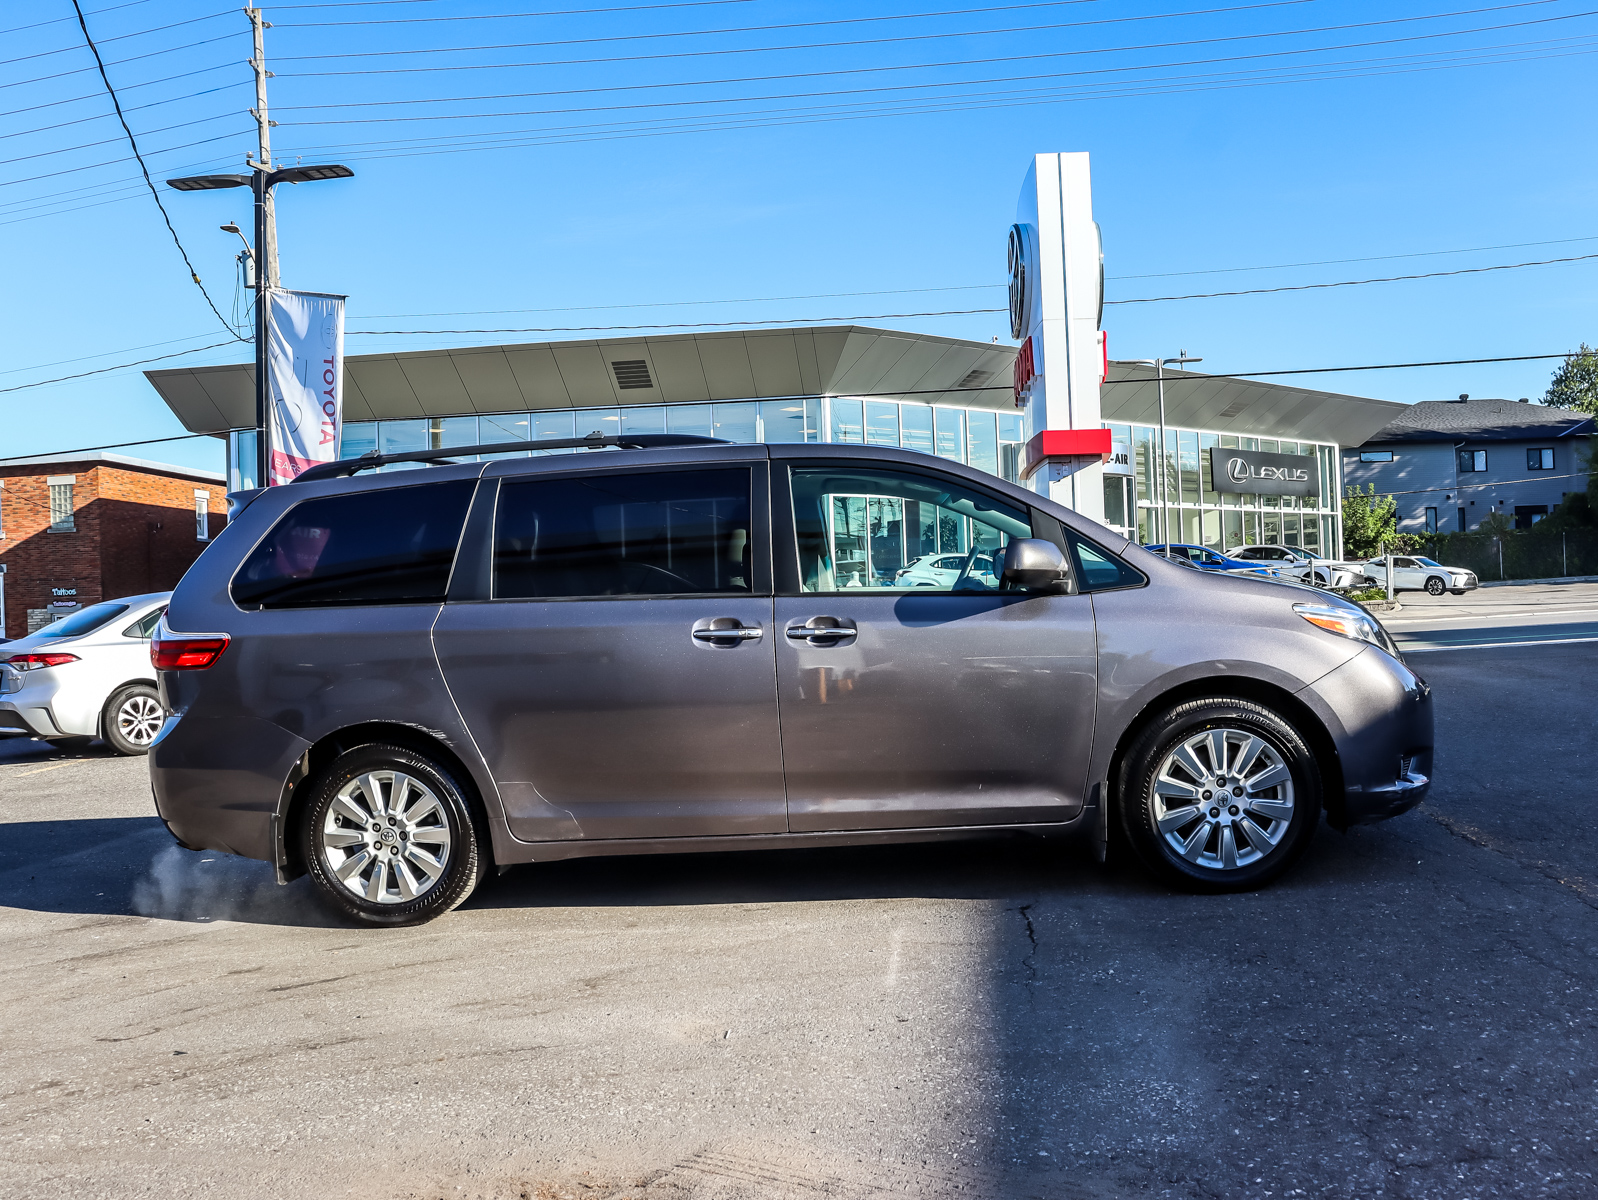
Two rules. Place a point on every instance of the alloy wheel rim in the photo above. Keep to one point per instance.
(1223, 799)
(139, 719)
(386, 837)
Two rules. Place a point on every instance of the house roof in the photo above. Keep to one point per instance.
(1481, 421)
(101, 458)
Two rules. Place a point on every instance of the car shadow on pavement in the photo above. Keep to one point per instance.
(129, 866)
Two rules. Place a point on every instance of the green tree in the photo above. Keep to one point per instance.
(1575, 383)
(1368, 521)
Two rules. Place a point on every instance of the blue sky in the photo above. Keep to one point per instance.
(772, 172)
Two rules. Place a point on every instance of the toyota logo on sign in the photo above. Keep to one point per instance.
(1023, 281)
(1237, 471)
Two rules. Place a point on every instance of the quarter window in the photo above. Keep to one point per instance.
(874, 530)
(384, 546)
(1540, 460)
(1099, 571)
(618, 533)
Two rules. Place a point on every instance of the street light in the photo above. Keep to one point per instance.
(261, 181)
(1159, 374)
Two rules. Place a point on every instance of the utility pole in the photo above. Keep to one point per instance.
(265, 245)
(260, 181)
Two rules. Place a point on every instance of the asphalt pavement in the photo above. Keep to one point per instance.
(1410, 1013)
(1513, 614)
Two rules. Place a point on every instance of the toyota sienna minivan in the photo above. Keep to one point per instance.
(394, 681)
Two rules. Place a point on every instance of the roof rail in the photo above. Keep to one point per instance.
(371, 459)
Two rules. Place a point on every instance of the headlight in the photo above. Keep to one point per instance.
(1349, 623)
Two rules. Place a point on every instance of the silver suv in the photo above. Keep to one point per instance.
(395, 681)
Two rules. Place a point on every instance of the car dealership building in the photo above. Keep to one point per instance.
(1221, 480)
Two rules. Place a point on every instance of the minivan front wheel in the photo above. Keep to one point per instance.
(1220, 795)
(389, 838)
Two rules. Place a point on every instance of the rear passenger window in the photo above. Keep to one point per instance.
(617, 533)
(387, 546)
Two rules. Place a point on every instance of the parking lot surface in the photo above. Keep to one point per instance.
(1410, 1013)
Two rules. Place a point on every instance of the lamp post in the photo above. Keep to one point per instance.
(261, 180)
(1159, 374)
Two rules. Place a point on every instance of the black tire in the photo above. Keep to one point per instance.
(1435, 586)
(463, 856)
(1140, 809)
(1320, 579)
(132, 718)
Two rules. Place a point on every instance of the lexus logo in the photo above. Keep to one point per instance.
(1237, 471)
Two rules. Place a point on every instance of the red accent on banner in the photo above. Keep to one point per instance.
(1066, 443)
(1025, 372)
(286, 468)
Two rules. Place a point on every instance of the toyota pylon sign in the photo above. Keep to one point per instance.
(305, 381)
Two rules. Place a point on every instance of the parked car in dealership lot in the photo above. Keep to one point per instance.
(945, 570)
(1291, 562)
(1206, 559)
(396, 681)
(1412, 573)
(86, 675)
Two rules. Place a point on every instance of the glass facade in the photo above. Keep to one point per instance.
(1194, 512)
(983, 438)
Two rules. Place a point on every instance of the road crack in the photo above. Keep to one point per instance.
(1029, 960)
(1582, 888)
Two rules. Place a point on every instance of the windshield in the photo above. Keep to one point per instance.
(84, 621)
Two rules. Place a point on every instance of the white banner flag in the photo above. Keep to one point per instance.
(305, 377)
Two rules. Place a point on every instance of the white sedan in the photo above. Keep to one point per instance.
(87, 675)
(1290, 562)
(1412, 573)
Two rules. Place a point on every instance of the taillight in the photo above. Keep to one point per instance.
(32, 662)
(186, 653)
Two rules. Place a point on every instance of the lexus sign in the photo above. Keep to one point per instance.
(1258, 473)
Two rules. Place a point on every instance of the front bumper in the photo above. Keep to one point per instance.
(1381, 719)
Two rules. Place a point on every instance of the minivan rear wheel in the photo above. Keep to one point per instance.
(1219, 795)
(389, 837)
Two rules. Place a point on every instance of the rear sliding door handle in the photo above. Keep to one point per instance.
(816, 633)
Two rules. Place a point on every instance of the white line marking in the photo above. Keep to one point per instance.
(1494, 645)
(52, 767)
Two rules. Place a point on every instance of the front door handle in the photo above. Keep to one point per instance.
(724, 631)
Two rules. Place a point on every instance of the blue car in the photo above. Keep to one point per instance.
(1208, 560)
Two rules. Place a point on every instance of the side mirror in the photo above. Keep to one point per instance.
(1035, 564)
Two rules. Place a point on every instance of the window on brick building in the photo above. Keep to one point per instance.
(61, 516)
(202, 515)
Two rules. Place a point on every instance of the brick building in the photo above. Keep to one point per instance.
(79, 529)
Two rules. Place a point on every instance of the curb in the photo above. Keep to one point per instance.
(1380, 606)
(1482, 583)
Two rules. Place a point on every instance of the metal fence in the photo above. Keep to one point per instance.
(1518, 554)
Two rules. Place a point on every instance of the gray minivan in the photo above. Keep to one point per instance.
(394, 681)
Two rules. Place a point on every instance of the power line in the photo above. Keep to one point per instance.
(119, 62)
(1005, 58)
(132, 87)
(156, 196)
(1308, 287)
(494, 312)
(1332, 262)
(118, 38)
(107, 141)
(62, 362)
(181, 437)
(59, 20)
(682, 33)
(21, 387)
(1193, 377)
(954, 312)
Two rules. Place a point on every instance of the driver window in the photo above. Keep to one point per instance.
(620, 533)
(866, 529)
